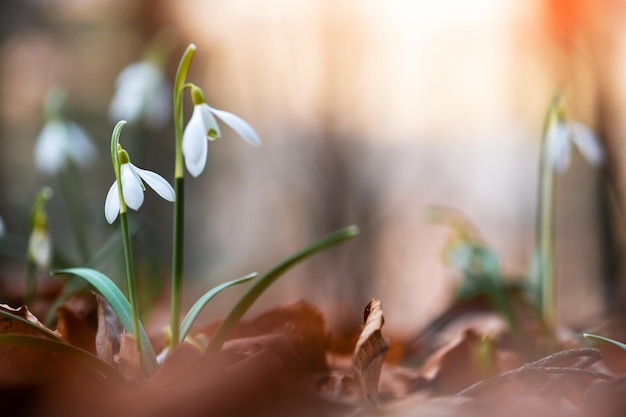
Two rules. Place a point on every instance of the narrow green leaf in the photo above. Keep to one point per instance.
(195, 310)
(31, 341)
(102, 258)
(107, 288)
(604, 339)
(268, 279)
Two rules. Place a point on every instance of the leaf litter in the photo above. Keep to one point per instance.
(286, 362)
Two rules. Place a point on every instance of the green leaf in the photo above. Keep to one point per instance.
(604, 339)
(268, 279)
(57, 346)
(107, 288)
(195, 310)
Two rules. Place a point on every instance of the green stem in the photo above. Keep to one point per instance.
(31, 283)
(544, 233)
(130, 278)
(128, 255)
(268, 279)
(179, 188)
(74, 197)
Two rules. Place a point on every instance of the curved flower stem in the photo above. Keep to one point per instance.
(128, 253)
(544, 246)
(179, 188)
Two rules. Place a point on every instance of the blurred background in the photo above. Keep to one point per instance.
(369, 112)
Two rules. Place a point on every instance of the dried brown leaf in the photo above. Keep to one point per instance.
(105, 342)
(460, 362)
(129, 359)
(8, 325)
(370, 349)
(75, 329)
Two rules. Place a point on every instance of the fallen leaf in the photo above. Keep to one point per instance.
(370, 349)
(301, 322)
(129, 359)
(9, 325)
(75, 329)
(462, 361)
(106, 341)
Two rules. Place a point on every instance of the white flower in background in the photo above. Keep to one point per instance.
(39, 242)
(133, 188)
(142, 93)
(563, 134)
(60, 141)
(203, 127)
(40, 247)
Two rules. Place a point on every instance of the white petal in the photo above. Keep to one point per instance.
(80, 147)
(131, 187)
(159, 107)
(587, 143)
(136, 85)
(40, 248)
(157, 183)
(195, 143)
(50, 147)
(112, 204)
(558, 145)
(238, 125)
(210, 124)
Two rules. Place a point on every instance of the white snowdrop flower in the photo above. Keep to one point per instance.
(203, 127)
(40, 247)
(132, 178)
(39, 242)
(142, 93)
(563, 134)
(60, 141)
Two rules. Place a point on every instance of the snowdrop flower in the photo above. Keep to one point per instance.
(133, 188)
(562, 133)
(61, 140)
(141, 93)
(203, 127)
(39, 242)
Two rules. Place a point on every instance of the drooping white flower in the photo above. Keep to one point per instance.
(142, 93)
(60, 141)
(39, 242)
(563, 134)
(133, 188)
(40, 248)
(203, 127)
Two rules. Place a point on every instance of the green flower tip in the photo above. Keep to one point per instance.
(123, 155)
(46, 193)
(352, 230)
(197, 95)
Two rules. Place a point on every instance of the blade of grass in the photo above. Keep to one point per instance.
(604, 339)
(195, 310)
(107, 288)
(268, 279)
